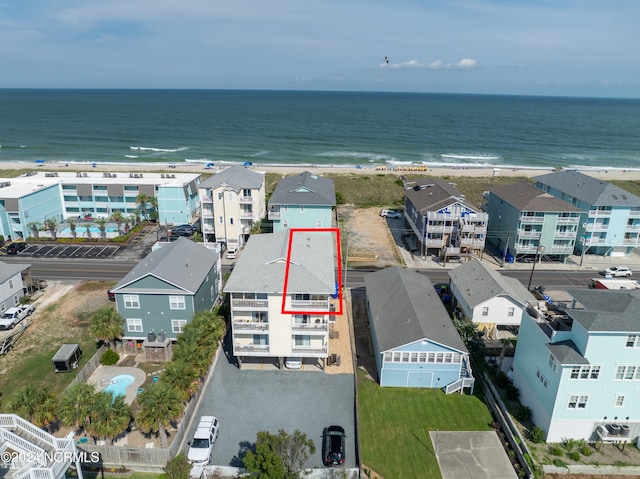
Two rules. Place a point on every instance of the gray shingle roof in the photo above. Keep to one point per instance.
(478, 283)
(406, 308)
(262, 265)
(432, 194)
(182, 263)
(526, 197)
(236, 177)
(566, 352)
(304, 189)
(592, 191)
(9, 270)
(607, 310)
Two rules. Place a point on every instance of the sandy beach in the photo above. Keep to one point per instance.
(608, 174)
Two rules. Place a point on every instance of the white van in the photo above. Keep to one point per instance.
(232, 252)
(201, 446)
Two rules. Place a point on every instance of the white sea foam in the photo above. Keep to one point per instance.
(357, 155)
(478, 157)
(131, 156)
(158, 150)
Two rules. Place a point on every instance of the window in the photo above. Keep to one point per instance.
(578, 402)
(553, 363)
(422, 358)
(633, 341)
(585, 372)
(485, 311)
(230, 221)
(619, 401)
(541, 378)
(134, 325)
(388, 357)
(301, 208)
(131, 301)
(176, 302)
(414, 357)
(220, 220)
(628, 373)
(177, 325)
(213, 293)
(511, 311)
(285, 223)
(405, 357)
(318, 223)
(10, 284)
(3, 307)
(396, 357)
(220, 195)
(16, 300)
(431, 358)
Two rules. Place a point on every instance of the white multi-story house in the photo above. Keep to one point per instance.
(12, 286)
(578, 367)
(281, 297)
(232, 201)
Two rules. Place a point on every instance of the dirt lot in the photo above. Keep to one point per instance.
(369, 240)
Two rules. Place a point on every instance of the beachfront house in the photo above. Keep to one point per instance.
(302, 201)
(487, 298)
(577, 366)
(12, 285)
(414, 340)
(281, 295)
(610, 218)
(232, 202)
(443, 222)
(159, 296)
(26, 202)
(525, 222)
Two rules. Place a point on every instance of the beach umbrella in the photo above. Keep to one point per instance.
(248, 163)
(39, 161)
(210, 164)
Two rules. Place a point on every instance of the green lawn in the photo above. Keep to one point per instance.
(394, 425)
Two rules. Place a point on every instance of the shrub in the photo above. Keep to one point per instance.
(512, 392)
(556, 450)
(523, 413)
(537, 435)
(502, 380)
(586, 450)
(559, 462)
(574, 456)
(109, 358)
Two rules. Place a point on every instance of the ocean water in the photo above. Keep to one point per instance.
(317, 128)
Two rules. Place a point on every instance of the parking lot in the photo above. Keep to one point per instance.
(248, 401)
(71, 251)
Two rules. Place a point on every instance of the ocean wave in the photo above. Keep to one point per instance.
(477, 157)
(258, 154)
(131, 156)
(363, 155)
(159, 150)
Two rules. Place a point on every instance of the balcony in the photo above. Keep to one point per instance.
(471, 243)
(246, 215)
(274, 215)
(245, 199)
(309, 350)
(531, 220)
(249, 326)
(206, 199)
(239, 303)
(560, 250)
(250, 348)
(634, 214)
(310, 328)
(599, 213)
(529, 234)
(564, 234)
(310, 305)
(206, 213)
(568, 220)
(630, 241)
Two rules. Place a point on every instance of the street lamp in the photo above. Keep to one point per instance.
(539, 249)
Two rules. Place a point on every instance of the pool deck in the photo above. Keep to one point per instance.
(101, 377)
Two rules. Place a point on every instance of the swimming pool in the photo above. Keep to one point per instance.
(118, 385)
(80, 230)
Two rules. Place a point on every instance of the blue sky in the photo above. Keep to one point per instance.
(554, 47)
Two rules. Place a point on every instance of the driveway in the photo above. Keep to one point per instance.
(249, 401)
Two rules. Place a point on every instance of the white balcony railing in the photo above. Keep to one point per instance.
(245, 199)
(274, 215)
(238, 303)
(310, 328)
(309, 350)
(251, 348)
(532, 219)
(239, 326)
(316, 304)
(599, 213)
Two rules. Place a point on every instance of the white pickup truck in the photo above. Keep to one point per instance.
(13, 316)
(201, 446)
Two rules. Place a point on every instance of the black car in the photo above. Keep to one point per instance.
(333, 440)
(15, 248)
(182, 230)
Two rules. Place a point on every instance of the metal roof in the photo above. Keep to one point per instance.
(182, 264)
(304, 189)
(262, 264)
(405, 308)
(236, 177)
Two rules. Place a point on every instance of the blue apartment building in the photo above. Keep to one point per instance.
(610, 219)
(578, 366)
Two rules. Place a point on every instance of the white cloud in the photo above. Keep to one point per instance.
(464, 64)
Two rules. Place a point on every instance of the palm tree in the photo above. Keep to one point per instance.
(110, 416)
(183, 377)
(87, 227)
(142, 200)
(160, 403)
(133, 220)
(34, 227)
(72, 222)
(118, 218)
(107, 325)
(101, 222)
(153, 202)
(35, 404)
(51, 224)
(74, 408)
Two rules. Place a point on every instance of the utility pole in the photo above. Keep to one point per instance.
(346, 257)
(539, 250)
(583, 241)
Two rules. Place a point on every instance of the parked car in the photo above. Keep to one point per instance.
(12, 316)
(333, 451)
(182, 230)
(204, 438)
(390, 214)
(232, 253)
(16, 247)
(617, 271)
(293, 363)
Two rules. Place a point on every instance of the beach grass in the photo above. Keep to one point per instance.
(394, 426)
